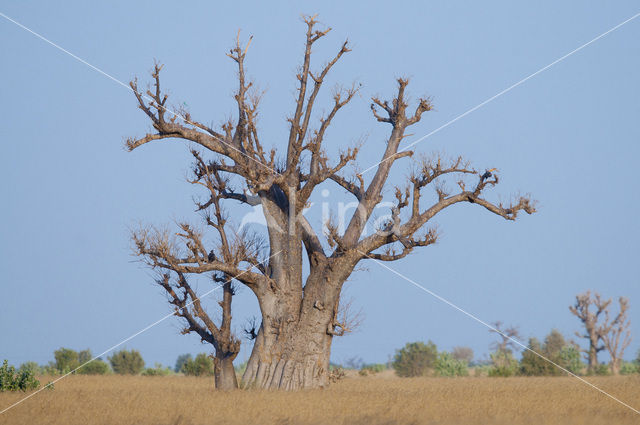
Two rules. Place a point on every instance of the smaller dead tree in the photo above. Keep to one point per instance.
(502, 357)
(507, 337)
(589, 318)
(616, 335)
(184, 253)
(463, 354)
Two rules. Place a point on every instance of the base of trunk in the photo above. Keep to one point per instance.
(288, 374)
(225, 374)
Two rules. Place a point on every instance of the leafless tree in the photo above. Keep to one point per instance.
(616, 335)
(589, 318)
(464, 354)
(161, 251)
(300, 309)
(508, 336)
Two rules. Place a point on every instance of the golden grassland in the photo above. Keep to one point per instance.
(372, 400)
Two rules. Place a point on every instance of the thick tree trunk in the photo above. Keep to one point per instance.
(296, 360)
(593, 354)
(224, 373)
(293, 344)
(615, 366)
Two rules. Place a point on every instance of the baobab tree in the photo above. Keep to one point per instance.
(589, 318)
(616, 335)
(612, 334)
(299, 306)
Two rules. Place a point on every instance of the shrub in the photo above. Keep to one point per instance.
(372, 369)
(96, 367)
(447, 365)
(571, 359)
(557, 350)
(602, 369)
(532, 364)
(415, 359)
(480, 370)
(180, 361)
(127, 362)
(12, 380)
(30, 366)
(66, 360)
(157, 370)
(50, 369)
(629, 368)
(84, 356)
(202, 365)
(504, 364)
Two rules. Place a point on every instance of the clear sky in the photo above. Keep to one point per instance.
(569, 136)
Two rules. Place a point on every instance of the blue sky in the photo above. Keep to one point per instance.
(569, 136)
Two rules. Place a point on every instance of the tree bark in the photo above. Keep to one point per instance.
(615, 366)
(293, 345)
(593, 353)
(296, 359)
(224, 373)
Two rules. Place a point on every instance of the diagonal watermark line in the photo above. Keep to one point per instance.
(450, 304)
(126, 86)
(508, 89)
(130, 337)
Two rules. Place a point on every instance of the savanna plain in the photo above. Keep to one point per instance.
(381, 399)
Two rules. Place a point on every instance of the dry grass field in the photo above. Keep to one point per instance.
(373, 400)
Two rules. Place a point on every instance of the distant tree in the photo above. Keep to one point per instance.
(616, 335)
(447, 365)
(157, 370)
(127, 362)
(202, 365)
(614, 332)
(629, 368)
(354, 363)
(532, 364)
(95, 367)
(502, 359)
(91, 367)
(555, 349)
(508, 338)
(180, 361)
(553, 345)
(589, 318)
(571, 359)
(415, 359)
(84, 356)
(602, 369)
(66, 360)
(31, 367)
(503, 364)
(464, 354)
